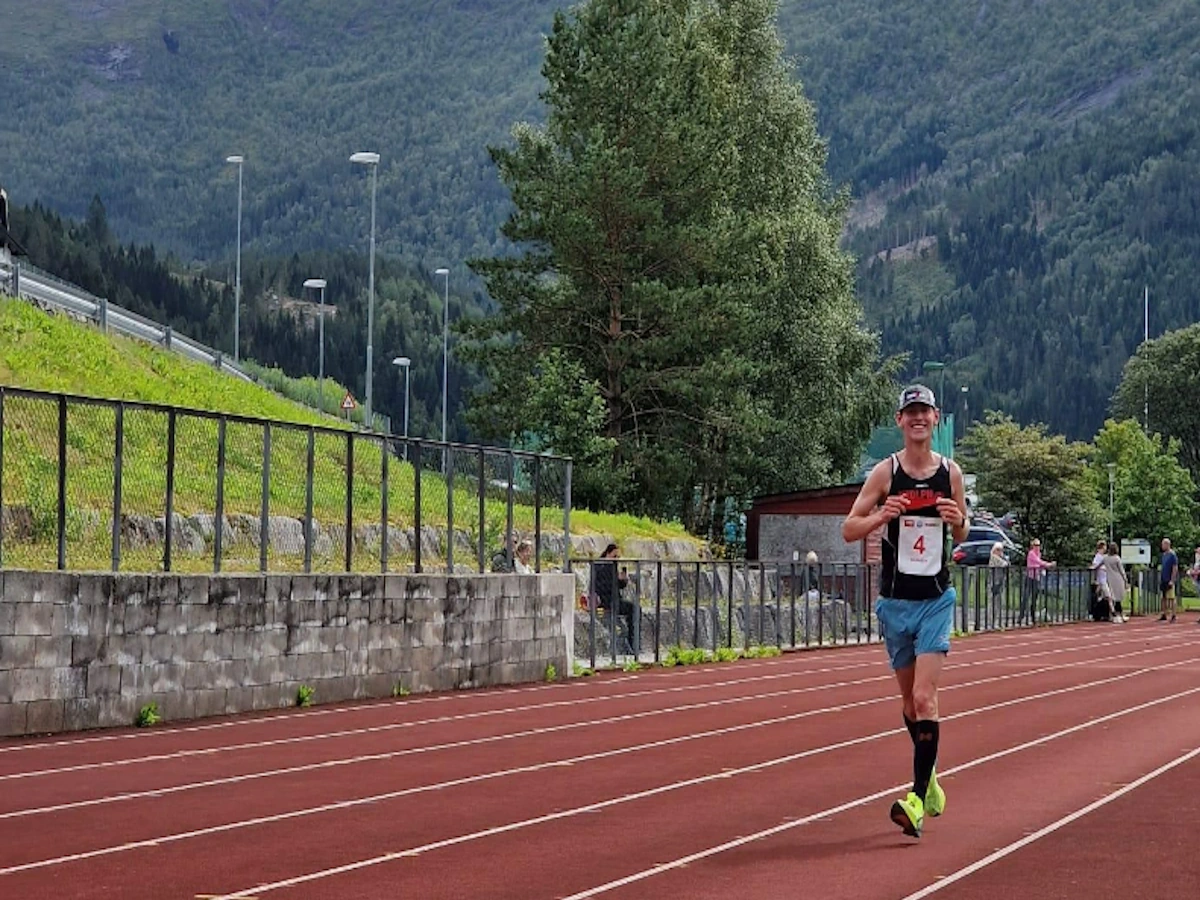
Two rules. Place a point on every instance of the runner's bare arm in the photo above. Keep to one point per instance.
(867, 514)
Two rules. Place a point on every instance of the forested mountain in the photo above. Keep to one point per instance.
(1020, 169)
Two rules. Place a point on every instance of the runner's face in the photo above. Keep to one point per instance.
(917, 421)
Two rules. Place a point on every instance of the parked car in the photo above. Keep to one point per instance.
(976, 550)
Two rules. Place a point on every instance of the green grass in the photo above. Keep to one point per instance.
(54, 354)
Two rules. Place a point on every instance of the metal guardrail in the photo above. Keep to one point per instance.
(31, 283)
(107, 485)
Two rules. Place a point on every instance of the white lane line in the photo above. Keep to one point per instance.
(787, 826)
(490, 713)
(245, 893)
(574, 684)
(728, 773)
(1051, 828)
(550, 729)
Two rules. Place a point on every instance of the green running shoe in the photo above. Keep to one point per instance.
(935, 797)
(909, 814)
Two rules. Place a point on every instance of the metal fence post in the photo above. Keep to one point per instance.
(658, 586)
(219, 524)
(481, 551)
(62, 481)
(118, 465)
(349, 560)
(386, 446)
(170, 511)
(102, 308)
(264, 521)
(416, 464)
(448, 456)
(2, 475)
(567, 520)
(509, 544)
(537, 514)
(309, 466)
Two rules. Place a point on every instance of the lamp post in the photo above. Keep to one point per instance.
(237, 290)
(404, 362)
(1112, 469)
(319, 284)
(370, 159)
(966, 413)
(445, 345)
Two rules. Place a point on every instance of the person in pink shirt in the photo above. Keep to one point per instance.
(1035, 571)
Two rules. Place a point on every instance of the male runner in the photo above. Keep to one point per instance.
(918, 495)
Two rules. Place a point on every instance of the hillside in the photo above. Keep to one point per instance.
(53, 353)
(1020, 170)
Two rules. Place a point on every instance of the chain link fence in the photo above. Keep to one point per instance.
(92, 484)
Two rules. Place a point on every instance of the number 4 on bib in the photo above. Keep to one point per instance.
(919, 550)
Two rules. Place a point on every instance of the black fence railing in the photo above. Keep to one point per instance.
(644, 609)
(125, 486)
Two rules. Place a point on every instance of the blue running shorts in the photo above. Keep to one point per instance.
(913, 627)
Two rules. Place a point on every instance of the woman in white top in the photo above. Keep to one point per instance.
(521, 559)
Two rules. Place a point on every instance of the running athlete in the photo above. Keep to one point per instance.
(919, 497)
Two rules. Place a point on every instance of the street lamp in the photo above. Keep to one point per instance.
(319, 284)
(237, 290)
(966, 413)
(404, 362)
(372, 160)
(445, 344)
(1112, 469)
(934, 366)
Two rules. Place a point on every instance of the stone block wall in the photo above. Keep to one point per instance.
(89, 650)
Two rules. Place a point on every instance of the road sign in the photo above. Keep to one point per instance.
(348, 402)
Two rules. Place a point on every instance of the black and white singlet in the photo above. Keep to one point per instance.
(916, 545)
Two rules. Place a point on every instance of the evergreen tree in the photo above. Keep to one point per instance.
(680, 263)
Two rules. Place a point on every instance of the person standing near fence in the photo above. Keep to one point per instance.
(1103, 591)
(998, 581)
(607, 585)
(1116, 580)
(1035, 571)
(1168, 578)
(917, 496)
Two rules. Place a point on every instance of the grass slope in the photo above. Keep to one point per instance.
(52, 353)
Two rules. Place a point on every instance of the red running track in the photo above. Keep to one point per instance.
(1066, 752)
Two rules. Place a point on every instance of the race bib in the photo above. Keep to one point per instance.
(919, 550)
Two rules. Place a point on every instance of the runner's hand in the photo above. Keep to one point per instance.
(948, 509)
(893, 506)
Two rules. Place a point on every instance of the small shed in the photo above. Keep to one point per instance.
(785, 527)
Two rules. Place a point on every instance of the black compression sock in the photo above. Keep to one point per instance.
(925, 753)
(911, 725)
